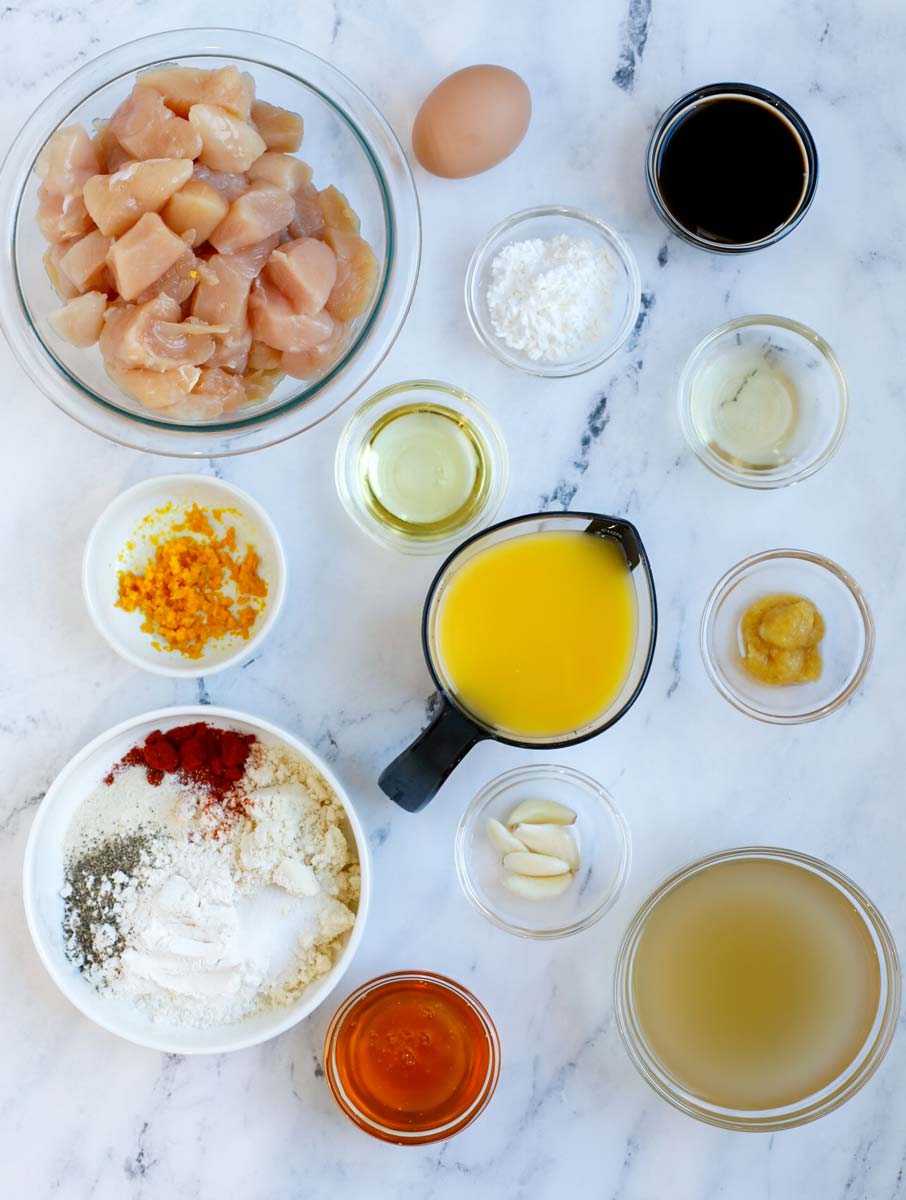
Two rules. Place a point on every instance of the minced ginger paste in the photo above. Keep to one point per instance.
(780, 637)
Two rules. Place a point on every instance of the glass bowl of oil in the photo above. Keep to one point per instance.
(757, 989)
(421, 466)
(763, 402)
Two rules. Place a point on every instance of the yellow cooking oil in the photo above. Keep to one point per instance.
(536, 634)
(756, 983)
(424, 469)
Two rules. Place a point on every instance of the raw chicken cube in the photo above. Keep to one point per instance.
(80, 320)
(308, 219)
(277, 323)
(85, 262)
(62, 284)
(357, 272)
(262, 211)
(336, 211)
(259, 384)
(249, 261)
(104, 145)
(66, 161)
(197, 206)
(153, 336)
(61, 218)
(309, 364)
(182, 87)
(116, 201)
(143, 254)
(179, 282)
(305, 271)
(221, 297)
(263, 357)
(230, 185)
(145, 127)
(228, 143)
(280, 128)
(231, 349)
(155, 389)
(282, 170)
(221, 385)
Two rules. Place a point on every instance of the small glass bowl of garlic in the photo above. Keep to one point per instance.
(543, 851)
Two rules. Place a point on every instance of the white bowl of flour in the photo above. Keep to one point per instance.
(230, 939)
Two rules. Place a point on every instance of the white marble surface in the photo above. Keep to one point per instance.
(82, 1115)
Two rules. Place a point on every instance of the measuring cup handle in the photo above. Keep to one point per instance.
(415, 777)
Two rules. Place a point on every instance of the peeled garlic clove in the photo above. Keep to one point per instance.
(526, 862)
(541, 812)
(501, 839)
(549, 839)
(538, 887)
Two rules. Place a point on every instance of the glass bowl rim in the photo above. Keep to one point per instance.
(614, 240)
(760, 480)
(688, 101)
(591, 786)
(492, 433)
(399, 1136)
(394, 183)
(722, 589)
(811, 1107)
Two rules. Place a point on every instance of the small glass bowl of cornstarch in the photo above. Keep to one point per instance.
(553, 291)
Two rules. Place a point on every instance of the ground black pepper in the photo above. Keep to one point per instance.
(91, 895)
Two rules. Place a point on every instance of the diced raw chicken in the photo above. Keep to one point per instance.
(251, 259)
(153, 336)
(66, 161)
(80, 320)
(259, 384)
(221, 385)
(336, 211)
(231, 350)
(280, 128)
(85, 262)
(146, 128)
(179, 282)
(282, 170)
(195, 408)
(228, 143)
(62, 284)
(182, 87)
(196, 206)
(222, 294)
(276, 322)
(309, 364)
(116, 201)
(228, 183)
(156, 389)
(305, 271)
(111, 155)
(357, 272)
(61, 218)
(263, 357)
(261, 212)
(308, 219)
(143, 254)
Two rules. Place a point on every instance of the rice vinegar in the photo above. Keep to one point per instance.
(755, 982)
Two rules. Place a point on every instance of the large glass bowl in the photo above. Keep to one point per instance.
(347, 142)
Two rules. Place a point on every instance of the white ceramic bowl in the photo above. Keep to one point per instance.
(106, 555)
(42, 880)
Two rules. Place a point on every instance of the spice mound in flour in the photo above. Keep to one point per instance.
(551, 298)
(200, 929)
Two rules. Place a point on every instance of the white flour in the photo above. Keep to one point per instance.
(551, 298)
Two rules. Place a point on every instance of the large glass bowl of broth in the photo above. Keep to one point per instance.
(538, 632)
(348, 143)
(757, 989)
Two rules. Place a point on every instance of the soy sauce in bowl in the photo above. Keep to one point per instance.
(732, 168)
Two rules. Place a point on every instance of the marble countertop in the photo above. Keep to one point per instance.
(84, 1115)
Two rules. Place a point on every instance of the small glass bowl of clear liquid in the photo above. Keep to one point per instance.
(763, 401)
(421, 466)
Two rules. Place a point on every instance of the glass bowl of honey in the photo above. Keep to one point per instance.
(420, 466)
(757, 989)
(412, 1057)
(768, 582)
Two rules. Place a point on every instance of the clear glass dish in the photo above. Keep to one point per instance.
(348, 143)
(846, 648)
(350, 465)
(858, 1072)
(600, 831)
(546, 222)
(790, 351)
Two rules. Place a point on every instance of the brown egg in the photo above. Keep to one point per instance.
(474, 119)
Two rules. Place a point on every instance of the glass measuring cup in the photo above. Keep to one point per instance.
(416, 775)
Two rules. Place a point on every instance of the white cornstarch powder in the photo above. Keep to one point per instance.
(551, 298)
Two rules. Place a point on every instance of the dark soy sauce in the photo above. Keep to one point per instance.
(732, 170)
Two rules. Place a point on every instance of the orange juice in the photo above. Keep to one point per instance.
(536, 635)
